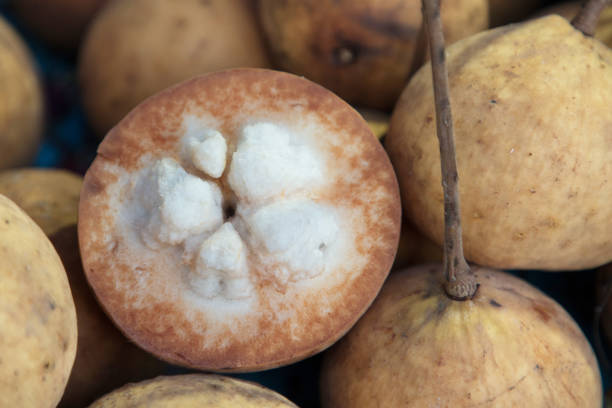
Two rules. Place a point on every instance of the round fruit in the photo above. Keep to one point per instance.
(363, 50)
(510, 345)
(105, 359)
(135, 48)
(532, 111)
(21, 102)
(193, 391)
(251, 215)
(59, 23)
(37, 314)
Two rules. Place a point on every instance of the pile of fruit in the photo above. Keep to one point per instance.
(274, 203)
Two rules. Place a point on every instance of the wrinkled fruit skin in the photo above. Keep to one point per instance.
(509, 346)
(154, 44)
(531, 107)
(37, 315)
(21, 102)
(362, 50)
(193, 391)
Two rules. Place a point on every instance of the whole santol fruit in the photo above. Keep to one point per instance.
(510, 345)
(21, 103)
(533, 126)
(363, 50)
(193, 391)
(455, 336)
(241, 220)
(59, 23)
(135, 48)
(105, 359)
(37, 315)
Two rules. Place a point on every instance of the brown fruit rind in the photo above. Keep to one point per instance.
(164, 319)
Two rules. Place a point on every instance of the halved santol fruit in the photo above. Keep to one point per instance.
(38, 326)
(195, 390)
(239, 221)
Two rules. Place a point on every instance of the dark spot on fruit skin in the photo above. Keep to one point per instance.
(7, 222)
(51, 305)
(544, 312)
(494, 303)
(493, 101)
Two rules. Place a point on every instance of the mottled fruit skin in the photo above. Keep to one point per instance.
(362, 50)
(38, 327)
(21, 102)
(59, 23)
(135, 48)
(509, 346)
(105, 359)
(531, 107)
(193, 391)
(569, 10)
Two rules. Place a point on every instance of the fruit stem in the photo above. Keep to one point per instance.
(460, 283)
(586, 20)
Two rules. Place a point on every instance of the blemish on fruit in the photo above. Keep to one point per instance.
(493, 303)
(543, 311)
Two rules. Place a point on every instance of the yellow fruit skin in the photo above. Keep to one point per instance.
(21, 102)
(136, 48)
(38, 328)
(193, 391)
(510, 346)
(105, 359)
(384, 37)
(531, 107)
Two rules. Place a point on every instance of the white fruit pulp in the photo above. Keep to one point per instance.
(276, 221)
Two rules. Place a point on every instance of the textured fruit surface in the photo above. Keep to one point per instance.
(261, 261)
(531, 106)
(193, 391)
(37, 314)
(509, 346)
